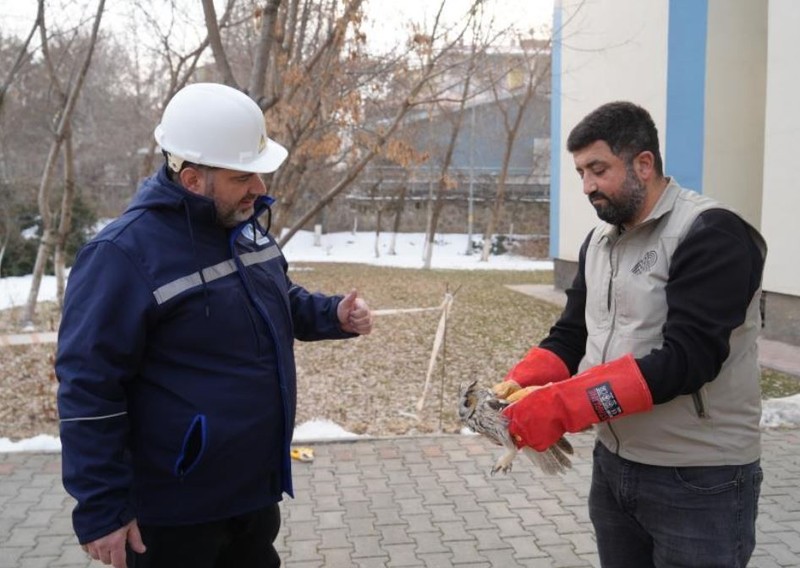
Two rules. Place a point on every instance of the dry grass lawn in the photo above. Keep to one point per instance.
(369, 385)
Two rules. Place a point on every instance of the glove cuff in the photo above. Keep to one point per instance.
(605, 392)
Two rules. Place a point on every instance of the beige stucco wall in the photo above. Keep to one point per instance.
(736, 69)
(611, 50)
(780, 217)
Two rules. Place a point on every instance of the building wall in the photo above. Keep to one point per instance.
(719, 78)
(735, 98)
(781, 199)
(782, 149)
(610, 50)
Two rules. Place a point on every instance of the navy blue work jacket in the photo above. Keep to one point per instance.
(176, 368)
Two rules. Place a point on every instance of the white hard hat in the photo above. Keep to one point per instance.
(215, 125)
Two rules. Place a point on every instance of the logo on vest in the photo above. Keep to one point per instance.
(647, 262)
(604, 401)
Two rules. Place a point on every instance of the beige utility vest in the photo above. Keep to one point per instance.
(626, 307)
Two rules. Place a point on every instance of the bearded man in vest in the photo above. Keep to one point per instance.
(657, 347)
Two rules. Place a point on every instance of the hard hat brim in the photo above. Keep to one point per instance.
(270, 160)
(267, 162)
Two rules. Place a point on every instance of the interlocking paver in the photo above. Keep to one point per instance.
(426, 502)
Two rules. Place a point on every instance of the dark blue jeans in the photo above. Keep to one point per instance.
(655, 516)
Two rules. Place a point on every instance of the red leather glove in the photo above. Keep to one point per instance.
(599, 394)
(538, 367)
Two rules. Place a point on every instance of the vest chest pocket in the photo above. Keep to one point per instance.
(640, 293)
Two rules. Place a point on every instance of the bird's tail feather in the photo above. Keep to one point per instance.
(554, 460)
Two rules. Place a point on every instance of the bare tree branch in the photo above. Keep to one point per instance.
(443, 181)
(23, 53)
(511, 125)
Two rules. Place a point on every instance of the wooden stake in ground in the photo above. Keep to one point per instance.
(437, 345)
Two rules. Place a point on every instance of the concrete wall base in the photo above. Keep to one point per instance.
(782, 318)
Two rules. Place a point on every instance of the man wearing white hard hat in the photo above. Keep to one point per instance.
(175, 357)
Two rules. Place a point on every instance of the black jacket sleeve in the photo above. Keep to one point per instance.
(567, 338)
(714, 273)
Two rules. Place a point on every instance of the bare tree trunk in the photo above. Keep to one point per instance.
(290, 29)
(65, 222)
(512, 130)
(6, 237)
(378, 232)
(44, 187)
(400, 204)
(258, 74)
(445, 182)
(373, 193)
(214, 38)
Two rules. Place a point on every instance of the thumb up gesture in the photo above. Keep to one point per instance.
(354, 314)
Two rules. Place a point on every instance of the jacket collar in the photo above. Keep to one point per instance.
(665, 204)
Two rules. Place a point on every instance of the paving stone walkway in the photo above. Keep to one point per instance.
(407, 502)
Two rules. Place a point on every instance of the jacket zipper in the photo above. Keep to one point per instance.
(245, 277)
(699, 407)
(611, 331)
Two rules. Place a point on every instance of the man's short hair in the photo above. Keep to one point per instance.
(174, 175)
(627, 128)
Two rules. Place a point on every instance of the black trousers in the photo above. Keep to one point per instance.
(245, 541)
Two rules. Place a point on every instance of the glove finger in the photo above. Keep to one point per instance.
(505, 388)
(521, 393)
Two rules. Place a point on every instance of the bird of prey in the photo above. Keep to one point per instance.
(481, 411)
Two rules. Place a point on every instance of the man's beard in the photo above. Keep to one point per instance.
(626, 205)
(228, 216)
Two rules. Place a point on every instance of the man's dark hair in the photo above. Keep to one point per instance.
(173, 175)
(627, 128)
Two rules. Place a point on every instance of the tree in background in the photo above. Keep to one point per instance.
(61, 138)
(525, 76)
(334, 104)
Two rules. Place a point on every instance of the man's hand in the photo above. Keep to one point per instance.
(110, 549)
(354, 314)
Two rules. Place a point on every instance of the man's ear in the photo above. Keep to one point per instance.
(644, 166)
(191, 179)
